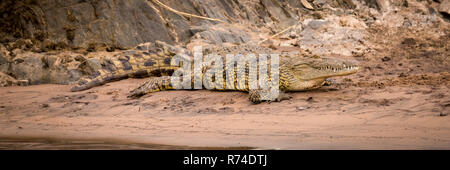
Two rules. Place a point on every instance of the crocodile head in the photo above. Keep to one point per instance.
(311, 72)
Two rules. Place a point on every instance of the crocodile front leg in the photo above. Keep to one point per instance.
(258, 96)
(154, 84)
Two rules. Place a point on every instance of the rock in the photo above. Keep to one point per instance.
(306, 4)
(78, 24)
(272, 12)
(333, 35)
(197, 29)
(90, 66)
(346, 4)
(219, 34)
(123, 24)
(30, 68)
(385, 58)
(320, 3)
(6, 80)
(444, 7)
(34, 68)
(4, 62)
(382, 5)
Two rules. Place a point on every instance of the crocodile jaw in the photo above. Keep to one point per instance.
(326, 72)
(312, 73)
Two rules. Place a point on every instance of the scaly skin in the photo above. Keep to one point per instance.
(296, 72)
(146, 60)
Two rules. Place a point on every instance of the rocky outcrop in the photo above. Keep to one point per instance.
(221, 33)
(55, 24)
(334, 35)
(122, 24)
(55, 41)
(39, 68)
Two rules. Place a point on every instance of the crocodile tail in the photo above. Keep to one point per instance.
(146, 60)
(87, 83)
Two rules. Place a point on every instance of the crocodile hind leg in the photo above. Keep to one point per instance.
(155, 84)
(258, 96)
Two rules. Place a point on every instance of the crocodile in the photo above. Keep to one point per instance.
(297, 72)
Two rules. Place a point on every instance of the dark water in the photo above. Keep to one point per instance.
(65, 144)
